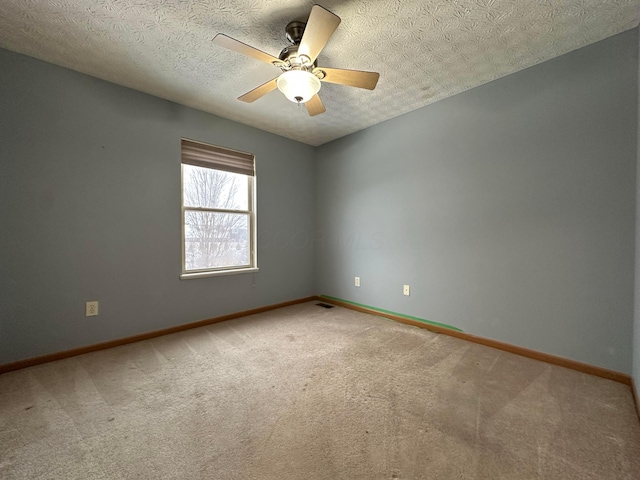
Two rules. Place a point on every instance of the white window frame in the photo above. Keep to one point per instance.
(251, 213)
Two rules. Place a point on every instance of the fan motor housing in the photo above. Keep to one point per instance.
(289, 55)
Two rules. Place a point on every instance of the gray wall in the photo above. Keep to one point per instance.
(90, 210)
(509, 209)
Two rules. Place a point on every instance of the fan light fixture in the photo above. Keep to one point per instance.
(299, 86)
(301, 77)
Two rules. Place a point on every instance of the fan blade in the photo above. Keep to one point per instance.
(352, 78)
(320, 26)
(259, 92)
(315, 106)
(243, 48)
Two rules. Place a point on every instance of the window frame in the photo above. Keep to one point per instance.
(252, 267)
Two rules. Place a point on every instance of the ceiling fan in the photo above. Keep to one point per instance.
(300, 78)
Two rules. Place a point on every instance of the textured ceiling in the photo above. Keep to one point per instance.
(425, 50)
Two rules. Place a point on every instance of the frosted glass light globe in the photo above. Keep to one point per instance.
(299, 86)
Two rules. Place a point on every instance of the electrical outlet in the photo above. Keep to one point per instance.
(91, 309)
(357, 281)
(405, 290)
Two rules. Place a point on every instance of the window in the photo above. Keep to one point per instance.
(218, 211)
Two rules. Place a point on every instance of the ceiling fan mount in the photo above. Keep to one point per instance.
(300, 78)
(294, 31)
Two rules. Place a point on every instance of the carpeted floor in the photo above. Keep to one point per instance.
(311, 393)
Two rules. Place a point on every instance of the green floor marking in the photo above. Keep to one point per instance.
(409, 317)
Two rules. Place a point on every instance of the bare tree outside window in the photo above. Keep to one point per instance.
(216, 218)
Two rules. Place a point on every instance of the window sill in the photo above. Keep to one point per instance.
(218, 273)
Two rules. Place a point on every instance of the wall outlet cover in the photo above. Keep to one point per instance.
(91, 309)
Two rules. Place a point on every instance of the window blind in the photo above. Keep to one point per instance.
(210, 156)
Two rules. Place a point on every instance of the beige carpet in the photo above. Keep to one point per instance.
(310, 393)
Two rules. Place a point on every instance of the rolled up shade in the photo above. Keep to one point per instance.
(210, 156)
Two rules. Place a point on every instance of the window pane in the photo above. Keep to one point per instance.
(205, 187)
(215, 240)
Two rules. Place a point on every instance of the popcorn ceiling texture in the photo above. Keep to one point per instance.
(424, 50)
